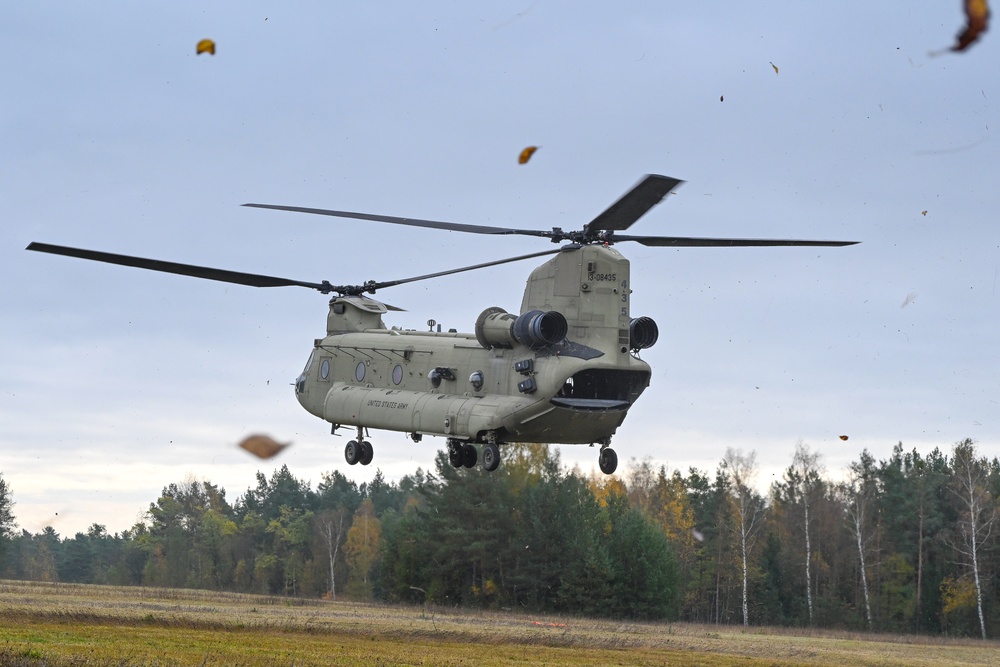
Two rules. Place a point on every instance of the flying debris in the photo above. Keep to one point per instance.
(526, 154)
(205, 46)
(843, 437)
(923, 213)
(263, 446)
(775, 68)
(977, 13)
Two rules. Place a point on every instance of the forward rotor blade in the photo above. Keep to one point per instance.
(696, 242)
(222, 275)
(634, 204)
(412, 222)
(392, 283)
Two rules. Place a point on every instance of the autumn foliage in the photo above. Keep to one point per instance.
(905, 544)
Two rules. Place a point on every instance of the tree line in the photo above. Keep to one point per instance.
(905, 544)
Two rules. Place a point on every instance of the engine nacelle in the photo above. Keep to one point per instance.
(536, 329)
(494, 328)
(642, 333)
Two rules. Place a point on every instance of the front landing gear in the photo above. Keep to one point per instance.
(359, 451)
(607, 460)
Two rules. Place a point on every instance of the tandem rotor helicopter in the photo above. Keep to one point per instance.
(565, 369)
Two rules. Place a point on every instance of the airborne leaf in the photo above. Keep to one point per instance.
(977, 14)
(205, 46)
(843, 437)
(526, 154)
(262, 446)
(775, 68)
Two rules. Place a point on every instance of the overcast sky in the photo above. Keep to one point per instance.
(786, 119)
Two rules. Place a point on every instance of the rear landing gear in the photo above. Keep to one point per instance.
(359, 451)
(608, 460)
(462, 454)
(470, 457)
(456, 453)
(491, 457)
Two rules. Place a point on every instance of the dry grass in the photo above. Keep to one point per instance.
(71, 624)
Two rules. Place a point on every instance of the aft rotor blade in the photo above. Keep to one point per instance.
(412, 222)
(634, 204)
(392, 283)
(222, 275)
(696, 242)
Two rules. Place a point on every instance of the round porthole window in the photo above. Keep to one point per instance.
(397, 374)
(476, 380)
(324, 369)
(359, 372)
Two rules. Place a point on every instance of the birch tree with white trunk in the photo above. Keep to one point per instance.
(749, 507)
(977, 514)
(804, 481)
(859, 493)
(332, 525)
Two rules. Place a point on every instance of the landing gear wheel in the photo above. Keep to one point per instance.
(608, 461)
(469, 456)
(456, 454)
(367, 452)
(491, 457)
(352, 452)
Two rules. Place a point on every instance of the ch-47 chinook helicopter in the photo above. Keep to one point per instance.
(565, 369)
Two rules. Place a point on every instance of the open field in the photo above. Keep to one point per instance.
(71, 624)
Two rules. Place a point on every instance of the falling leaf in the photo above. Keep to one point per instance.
(977, 12)
(526, 154)
(923, 213)
(697, 534)
(205, 46)
(843, 437)
(775, 68)
(262, 446)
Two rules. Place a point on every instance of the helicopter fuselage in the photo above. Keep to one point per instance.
(563, 371)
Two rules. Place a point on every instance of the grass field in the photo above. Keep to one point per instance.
(71, 624)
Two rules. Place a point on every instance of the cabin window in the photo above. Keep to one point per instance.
(397, 374)
(476, 380)
(359, 371)
(324, 369)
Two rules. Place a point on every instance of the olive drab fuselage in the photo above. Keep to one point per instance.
(563, 371)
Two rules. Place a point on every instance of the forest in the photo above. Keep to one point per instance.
(906, 544)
